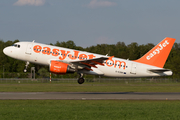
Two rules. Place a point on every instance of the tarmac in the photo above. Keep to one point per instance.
(88, 96)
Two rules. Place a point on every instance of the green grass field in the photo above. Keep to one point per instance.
(90, 87)
(89, 110)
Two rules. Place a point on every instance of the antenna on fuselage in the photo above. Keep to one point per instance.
(108, 53)
(33, 40)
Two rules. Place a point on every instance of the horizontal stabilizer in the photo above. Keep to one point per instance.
(158, 70)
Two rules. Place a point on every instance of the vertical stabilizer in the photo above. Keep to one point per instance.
(157, 56)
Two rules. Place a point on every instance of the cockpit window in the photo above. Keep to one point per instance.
(16, 45)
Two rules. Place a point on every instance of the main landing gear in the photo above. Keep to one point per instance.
(27, 63)
(81, 79)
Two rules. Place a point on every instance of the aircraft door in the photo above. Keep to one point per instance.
(133, 68)
(29, 49)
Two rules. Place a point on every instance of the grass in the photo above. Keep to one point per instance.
(89, 110)
(90, 87)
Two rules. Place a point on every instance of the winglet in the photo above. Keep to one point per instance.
(157, 56)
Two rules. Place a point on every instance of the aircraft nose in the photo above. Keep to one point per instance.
(10, 51)
(5, 51)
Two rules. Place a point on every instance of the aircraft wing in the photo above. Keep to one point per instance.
(87, 64)
(158, 70)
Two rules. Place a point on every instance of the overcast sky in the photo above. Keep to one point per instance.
(90, 22)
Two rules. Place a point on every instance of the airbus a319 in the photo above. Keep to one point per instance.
(63, 60)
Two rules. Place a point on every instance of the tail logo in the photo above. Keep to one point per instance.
(157, 50)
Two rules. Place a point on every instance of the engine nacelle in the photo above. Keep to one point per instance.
(60, 68)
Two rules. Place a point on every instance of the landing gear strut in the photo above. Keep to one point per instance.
(27, 63)
(81, 79)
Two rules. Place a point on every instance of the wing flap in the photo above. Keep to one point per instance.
(87, 64)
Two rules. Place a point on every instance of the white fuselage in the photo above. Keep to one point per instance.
(114, 67)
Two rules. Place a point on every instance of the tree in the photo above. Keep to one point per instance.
(133, 49)
(43, 73)
(68, 44)
(121, 50)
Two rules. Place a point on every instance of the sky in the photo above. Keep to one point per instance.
(90, 22)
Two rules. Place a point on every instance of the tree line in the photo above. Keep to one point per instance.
(10, 67)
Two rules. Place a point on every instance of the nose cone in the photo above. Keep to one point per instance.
(11, 52)
(6, 51)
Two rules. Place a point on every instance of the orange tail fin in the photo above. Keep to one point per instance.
(157, 56)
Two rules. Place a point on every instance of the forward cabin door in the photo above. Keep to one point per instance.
(133, 68)
(29, 49)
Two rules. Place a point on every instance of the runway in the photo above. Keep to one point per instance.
(88, 96)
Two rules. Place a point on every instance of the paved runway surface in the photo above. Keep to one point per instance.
(89, 95)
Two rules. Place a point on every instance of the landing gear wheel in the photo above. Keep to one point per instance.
(81, 80)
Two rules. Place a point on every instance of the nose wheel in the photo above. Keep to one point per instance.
(26, 66)
(81, 79)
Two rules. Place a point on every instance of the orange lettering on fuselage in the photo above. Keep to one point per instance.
(46, 50)
(55, 52)
(120, 63)
(37, 48)
(82, 56)
(73, 57)
(64, 54)
(110, 64)
(91, 56)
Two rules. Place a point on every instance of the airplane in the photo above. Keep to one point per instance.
(63, 60)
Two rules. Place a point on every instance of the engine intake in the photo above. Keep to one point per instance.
(60, 67)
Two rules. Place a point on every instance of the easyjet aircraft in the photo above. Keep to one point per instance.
(63, 60)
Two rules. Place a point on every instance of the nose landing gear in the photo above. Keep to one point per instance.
(27, 63)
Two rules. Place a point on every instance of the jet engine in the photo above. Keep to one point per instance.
(60, 67)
